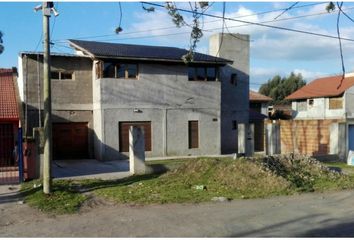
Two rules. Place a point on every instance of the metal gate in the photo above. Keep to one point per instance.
(10, 159)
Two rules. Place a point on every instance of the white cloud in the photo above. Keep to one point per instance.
(267, 44)
(309, 75)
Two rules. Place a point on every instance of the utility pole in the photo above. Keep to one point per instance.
(47, 8)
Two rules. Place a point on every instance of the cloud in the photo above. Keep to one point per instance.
(278, 47)
(309, 75)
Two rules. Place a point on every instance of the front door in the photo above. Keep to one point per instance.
(351, 137)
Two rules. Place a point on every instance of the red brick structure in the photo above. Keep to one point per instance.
(9, 123)
(310, 137)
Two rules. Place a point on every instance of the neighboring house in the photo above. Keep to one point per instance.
(9, 118)
(259, 102)
(258, 112)
(105, 88)
(320, 109)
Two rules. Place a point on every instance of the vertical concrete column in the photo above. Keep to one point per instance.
(136, 150)
(38, 135)
(250, 140)
(338, 140)
(241, 135)
(273, 138)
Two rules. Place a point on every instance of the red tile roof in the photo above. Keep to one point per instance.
(323, 87)
(8, 102)
(257, 97)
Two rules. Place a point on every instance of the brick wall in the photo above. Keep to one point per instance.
(309, 137)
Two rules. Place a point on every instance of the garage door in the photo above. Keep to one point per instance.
(124, 135)
(70, 140)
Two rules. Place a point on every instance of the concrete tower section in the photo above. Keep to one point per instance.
(234, 85)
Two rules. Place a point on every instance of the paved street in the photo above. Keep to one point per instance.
(320, 215)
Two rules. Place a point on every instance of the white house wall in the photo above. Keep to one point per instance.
(319, 110)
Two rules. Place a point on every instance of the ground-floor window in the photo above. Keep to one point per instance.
(193, 134)
(124, 134)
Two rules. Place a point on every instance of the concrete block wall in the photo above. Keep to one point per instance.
(234, 97)
(163, 96)
(310, 137)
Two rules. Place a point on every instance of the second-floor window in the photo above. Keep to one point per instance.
(61, 75)
(335, 103)
(202, 73)
(119, 70)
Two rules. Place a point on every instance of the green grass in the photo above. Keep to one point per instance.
(64, 199)
(177, 181)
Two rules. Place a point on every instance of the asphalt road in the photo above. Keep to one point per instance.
(307, 215)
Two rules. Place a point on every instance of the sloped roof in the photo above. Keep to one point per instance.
(141, 52)
(323, 87)
(256, 116)
(257, 97)
(8, 102)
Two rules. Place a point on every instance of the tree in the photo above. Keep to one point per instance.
(1, 43)
(278, 88)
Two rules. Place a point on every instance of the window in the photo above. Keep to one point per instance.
(61, 75)
(301, 105)
(124, 134)
(202, 73)
(234, 125)
(335, 103)
(233, 79)
(311, 101)
(193, 134)
(117, 70)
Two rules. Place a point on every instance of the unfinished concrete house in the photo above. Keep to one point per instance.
(323, 118)
(104, 88)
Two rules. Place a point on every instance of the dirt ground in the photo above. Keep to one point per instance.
(326, 214)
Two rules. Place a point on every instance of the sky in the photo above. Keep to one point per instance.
(272, 52)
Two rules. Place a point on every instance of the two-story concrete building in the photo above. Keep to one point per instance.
(104, 88)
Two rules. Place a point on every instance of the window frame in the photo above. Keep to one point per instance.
(194, 69)
(60, 72)
(190, 136)
(330, 105)
(125, 66)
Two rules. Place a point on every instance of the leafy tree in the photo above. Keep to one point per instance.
(278, 88)
(1, 43)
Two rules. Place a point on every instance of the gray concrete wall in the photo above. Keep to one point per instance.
(338, 142)
(234, 98)
(164, 96)
(71, 99)
(349, 102)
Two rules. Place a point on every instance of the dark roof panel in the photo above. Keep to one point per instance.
(117, 50)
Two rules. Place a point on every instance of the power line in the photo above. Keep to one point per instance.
(172, 27)
(340, 45)
(287, 9)
(212, 29)
(261, 24)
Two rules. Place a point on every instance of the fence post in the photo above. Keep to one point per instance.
(242, 139)
(250, 140)
(136, 150)
(20, 154)
(273, 138)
